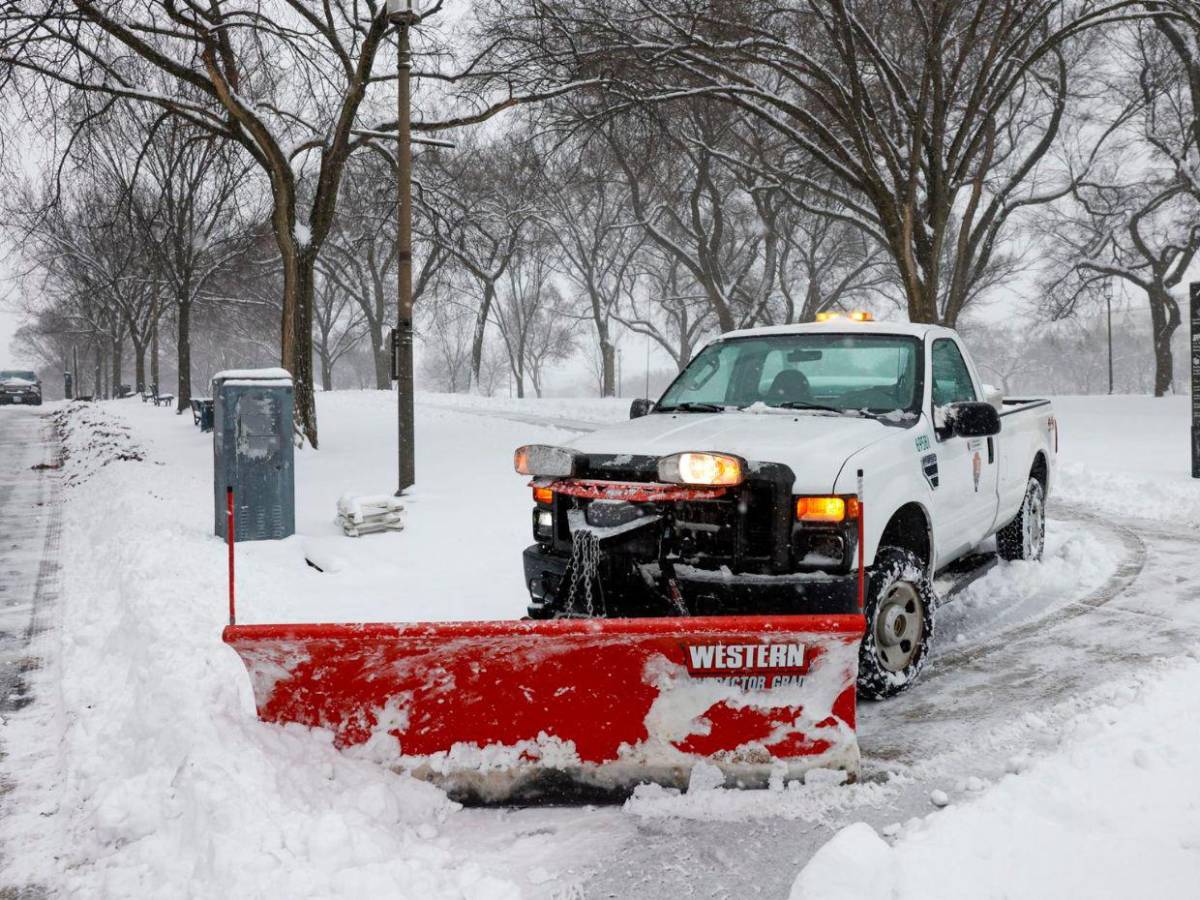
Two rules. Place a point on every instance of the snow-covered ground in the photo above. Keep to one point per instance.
(1113, 812)
(142, 770)
(1129, 456)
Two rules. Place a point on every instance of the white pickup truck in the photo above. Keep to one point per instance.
(739, 490)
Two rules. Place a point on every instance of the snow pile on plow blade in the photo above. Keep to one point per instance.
(569, 708)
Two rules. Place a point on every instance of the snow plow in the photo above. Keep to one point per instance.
(569, 709)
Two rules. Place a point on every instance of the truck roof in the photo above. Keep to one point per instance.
(844, 326)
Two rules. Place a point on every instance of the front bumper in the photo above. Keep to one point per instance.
(712, 592)
(22, 399)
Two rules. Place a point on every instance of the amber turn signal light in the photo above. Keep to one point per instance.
(826, 509)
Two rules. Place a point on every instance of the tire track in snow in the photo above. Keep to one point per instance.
(1144, 611)
(1126, 573)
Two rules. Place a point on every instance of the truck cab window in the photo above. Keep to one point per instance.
(833, 372)
(951, 378)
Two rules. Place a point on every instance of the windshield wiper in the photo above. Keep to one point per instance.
(804, 404)
(692, 406)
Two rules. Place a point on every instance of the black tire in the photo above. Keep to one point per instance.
(1025, 536)
(899, 610)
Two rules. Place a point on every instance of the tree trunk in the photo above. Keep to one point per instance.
(183, 390)
(326, 372)
(297, 348)
(481, 320)
(608, 362)
(381, 353)
(1164, 319)
(116, 365)
(139, 362)
(154, 355)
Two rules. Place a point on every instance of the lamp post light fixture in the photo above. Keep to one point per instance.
(403, 15)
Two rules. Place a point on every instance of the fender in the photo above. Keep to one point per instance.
(888, 484)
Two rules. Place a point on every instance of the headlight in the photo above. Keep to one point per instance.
(543, 525)
(539, 459)
(701, 468)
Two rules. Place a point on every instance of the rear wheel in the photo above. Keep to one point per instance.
(899, 613)
(1025, 536)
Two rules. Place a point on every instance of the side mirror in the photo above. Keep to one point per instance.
(639, 408)
(973, 419)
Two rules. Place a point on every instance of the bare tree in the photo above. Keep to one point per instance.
(690, 205)
(360, 255)
(665, 306)
(446, 336)
(81, 257)
(1139, 219)
(531, 315)
(933, 123)
(185, 193)
(339, 323)
(478, 214)
(587, 213)
(287, 83)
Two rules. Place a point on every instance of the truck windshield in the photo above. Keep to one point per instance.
(874, 374)
(15, 374)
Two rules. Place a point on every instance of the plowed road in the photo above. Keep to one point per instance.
(30, 509)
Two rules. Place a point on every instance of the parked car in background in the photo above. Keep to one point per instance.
(20, 386)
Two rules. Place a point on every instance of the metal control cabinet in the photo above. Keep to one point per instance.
(253, 453)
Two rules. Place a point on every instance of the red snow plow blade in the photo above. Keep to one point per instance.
(569, 708)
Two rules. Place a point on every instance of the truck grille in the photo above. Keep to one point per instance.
(748, 530)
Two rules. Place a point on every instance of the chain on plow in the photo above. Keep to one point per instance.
(584, 566)
(583, 569)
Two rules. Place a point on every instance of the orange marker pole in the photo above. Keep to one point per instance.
(229, 535)
(862, 569)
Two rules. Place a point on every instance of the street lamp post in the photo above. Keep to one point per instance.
(1108, 292)
(401, 14)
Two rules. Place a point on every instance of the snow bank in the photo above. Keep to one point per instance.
(160, 781)
(1128, 457)
(1113, 812)
(91, 440)
(1075, 563)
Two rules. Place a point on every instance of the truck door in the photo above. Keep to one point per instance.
(965, 499)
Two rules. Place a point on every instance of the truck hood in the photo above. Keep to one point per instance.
(814, 446)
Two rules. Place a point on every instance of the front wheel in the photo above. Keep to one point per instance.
(899, 613)
(1025, 536)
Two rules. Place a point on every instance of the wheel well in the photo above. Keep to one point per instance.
(1041, 471)
(909, 528)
